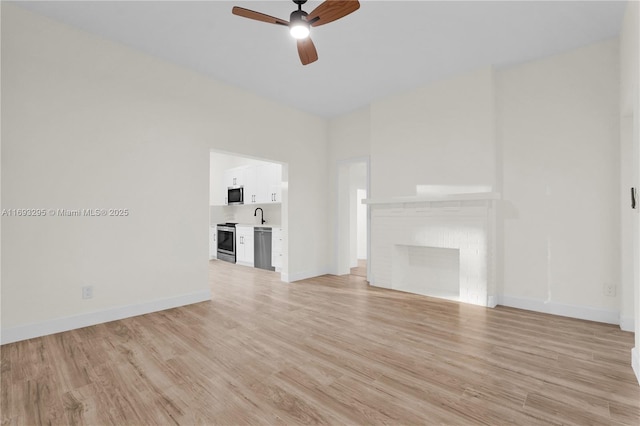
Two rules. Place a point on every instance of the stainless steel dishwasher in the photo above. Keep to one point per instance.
(262, 248)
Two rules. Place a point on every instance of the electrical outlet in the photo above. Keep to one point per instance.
(609, 289)
(87, 292)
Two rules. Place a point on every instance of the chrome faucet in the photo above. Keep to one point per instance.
(255, 213)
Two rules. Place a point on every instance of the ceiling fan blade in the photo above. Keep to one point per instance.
(331, 10)
(251, 14)
(307, 51)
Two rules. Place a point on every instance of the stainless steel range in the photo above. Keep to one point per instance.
(227, 242)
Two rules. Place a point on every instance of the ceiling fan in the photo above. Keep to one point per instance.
(300, 22)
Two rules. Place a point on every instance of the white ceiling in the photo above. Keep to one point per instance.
(385, 47)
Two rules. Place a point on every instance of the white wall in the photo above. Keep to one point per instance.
(560, 139)
(627, 225)
(630, 168)
(350, 135)
(440, 134)
(90, 123)
(545, 133)
(1, 205)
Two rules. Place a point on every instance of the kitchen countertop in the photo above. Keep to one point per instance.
(266, 225)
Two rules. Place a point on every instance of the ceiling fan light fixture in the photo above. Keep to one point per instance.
(298, 25)
(299, 31)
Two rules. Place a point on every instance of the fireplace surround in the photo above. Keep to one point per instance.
(418, 242)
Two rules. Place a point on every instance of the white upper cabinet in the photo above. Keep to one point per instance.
(274, 179)
(262, 183)
(231, 178)
(256, 186)
(234, 177)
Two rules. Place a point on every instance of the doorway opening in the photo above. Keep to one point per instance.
(352, 230)
(248, 205)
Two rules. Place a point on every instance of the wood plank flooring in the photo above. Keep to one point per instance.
(361, 269)
(329, 350)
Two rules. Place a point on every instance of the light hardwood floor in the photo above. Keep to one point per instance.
(361, 269)
(329, 350)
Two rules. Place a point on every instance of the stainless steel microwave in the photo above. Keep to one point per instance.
(235, 195)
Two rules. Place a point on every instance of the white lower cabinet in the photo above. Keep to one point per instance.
(213, 242)
(276, 248)
(244, 245)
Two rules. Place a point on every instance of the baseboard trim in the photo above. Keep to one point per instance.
(492, 301)
(627, 324)
(572, 311)
(297, 276)
(635, 362)
(29, 331)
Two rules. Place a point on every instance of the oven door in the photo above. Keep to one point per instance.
(227, 243)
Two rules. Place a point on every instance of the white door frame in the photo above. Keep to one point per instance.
(340, 228)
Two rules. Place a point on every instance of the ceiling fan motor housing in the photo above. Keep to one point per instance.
(298, 16)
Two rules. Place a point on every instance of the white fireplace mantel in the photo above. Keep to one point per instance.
(439, 245)
(475, 196)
